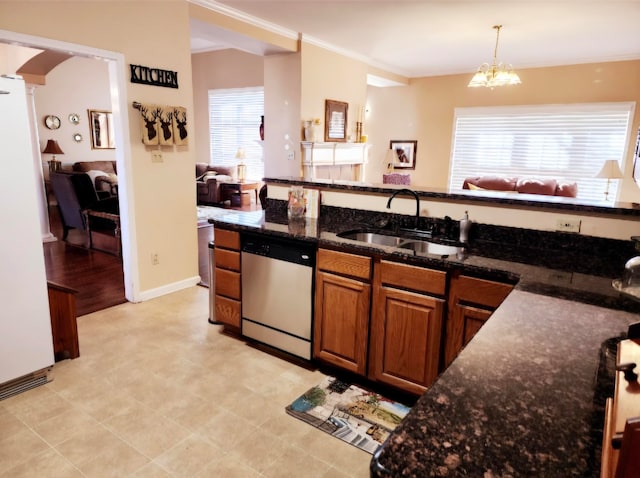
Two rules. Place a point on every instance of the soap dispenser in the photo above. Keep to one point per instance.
(464, 227)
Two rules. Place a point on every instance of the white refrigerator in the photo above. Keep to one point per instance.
(26, 345)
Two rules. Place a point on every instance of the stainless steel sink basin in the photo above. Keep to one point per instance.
(418, 246)
(373, 238)
(434, 248)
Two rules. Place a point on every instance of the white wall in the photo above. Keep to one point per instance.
(282, 115)
(75, 86)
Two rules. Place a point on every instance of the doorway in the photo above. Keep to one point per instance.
(116, 68)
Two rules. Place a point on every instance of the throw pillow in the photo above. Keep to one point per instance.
(473, 187)
(206, 176)
(223, 177)
(94, 173)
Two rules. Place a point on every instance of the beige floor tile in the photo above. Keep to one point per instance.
(115, 461)
(10, 424)
(188, 457)
(168, 383)
(227, 467)
(64, 426)
(86, 444)
(226, 429)
(19, 448)
(147, 431)
(259, 450)
(48, 464)
(294, 463)
(151, 470)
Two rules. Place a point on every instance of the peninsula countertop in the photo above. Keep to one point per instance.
(522, 398)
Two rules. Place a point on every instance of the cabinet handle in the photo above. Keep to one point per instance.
(627, 368)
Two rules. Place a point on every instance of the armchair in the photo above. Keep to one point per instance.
(81, 208)
(208, 180)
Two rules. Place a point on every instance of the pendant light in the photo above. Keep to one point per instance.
(496, 74)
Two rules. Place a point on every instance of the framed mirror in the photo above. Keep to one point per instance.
(101, 127)
(335, 121)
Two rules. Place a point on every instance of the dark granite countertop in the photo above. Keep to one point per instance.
(522, 398)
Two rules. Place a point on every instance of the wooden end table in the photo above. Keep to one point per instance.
(228, 189)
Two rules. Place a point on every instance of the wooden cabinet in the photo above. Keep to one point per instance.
(471, 302)
(228, 293)
(64, 326)
(406, 325)
(622, 419)
(342, 305)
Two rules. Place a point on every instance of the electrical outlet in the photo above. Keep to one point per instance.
(155, 260)
(156, 157)
(568, 225)
(291, 156)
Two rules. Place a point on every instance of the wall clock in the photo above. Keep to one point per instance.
(52, 122)
(74, 118)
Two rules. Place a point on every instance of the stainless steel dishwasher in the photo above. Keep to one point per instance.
(277, 293)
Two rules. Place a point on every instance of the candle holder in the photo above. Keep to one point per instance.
(359, 132)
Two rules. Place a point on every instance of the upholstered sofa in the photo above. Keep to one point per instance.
(209, 177)
(549, 187)
(103, 174)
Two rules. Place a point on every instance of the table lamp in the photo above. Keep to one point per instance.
(610, 170)
(53, 149)
(242, 168)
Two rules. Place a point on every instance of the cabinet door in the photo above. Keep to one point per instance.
(341, 324)
(471, 303)
(405, 339)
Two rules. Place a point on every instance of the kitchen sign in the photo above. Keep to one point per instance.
(154, 76)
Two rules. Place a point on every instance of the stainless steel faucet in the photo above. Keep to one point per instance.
(414, 194)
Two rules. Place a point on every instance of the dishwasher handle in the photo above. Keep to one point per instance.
(288, 251)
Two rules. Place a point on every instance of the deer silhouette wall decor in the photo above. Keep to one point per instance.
(149, 121)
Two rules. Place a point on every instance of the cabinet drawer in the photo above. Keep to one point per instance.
(344, 263)
(414, 278)
(481, 291)
(228, 311)
(227, 259)
(226, 239)
(228, 283)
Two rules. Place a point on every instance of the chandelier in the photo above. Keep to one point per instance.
(496, 74)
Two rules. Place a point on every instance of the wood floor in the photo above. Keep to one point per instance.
(96, 275)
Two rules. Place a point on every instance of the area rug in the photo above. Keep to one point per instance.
(359, 417)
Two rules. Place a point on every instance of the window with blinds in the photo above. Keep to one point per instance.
(234, 122)
(563, 142)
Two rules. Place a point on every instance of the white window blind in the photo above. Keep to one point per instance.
(563, 142)
(234, 122)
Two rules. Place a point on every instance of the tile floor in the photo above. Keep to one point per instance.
(159, 392)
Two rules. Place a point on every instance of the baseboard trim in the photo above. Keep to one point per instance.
(169, 288)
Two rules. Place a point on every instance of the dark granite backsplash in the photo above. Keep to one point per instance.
(554, 250)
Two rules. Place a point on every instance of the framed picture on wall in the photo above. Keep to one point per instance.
(335, 121)
(403, 153)
(101, 127)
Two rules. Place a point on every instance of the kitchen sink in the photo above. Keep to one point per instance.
(427, 247)
(418, 246)
(373, 238)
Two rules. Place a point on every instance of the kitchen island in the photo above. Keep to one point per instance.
(523, 397)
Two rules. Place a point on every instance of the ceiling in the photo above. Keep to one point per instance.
(418, 38)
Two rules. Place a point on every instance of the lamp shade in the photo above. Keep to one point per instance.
(240, 154)
(52, 147)
(610, 170)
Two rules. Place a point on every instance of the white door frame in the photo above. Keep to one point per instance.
(117, 75)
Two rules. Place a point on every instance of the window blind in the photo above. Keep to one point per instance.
(563, 142)
(234, 122)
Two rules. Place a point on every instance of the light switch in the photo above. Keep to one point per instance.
(156, 157)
